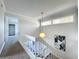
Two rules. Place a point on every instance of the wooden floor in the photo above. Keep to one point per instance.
(17, 52)
(16, 56)
(51, 56)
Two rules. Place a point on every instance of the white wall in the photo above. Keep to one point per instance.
(2, 10)
(70, 30)
(9, 40)
(11, 20)
(24, 26)
(27, 26)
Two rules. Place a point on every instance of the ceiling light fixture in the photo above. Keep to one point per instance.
(41, 34)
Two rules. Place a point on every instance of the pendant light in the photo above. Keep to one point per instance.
(41, 34)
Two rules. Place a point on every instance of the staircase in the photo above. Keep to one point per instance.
(36, 49)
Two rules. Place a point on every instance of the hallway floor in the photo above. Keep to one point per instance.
(16, 56)
(17, 52)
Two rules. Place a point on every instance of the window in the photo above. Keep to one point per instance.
(68, 19)
(11, 29)
(45, 23)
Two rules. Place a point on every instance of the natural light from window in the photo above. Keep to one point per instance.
(68, 19)
(45, 23)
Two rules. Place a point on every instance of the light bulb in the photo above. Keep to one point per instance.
(42, 35)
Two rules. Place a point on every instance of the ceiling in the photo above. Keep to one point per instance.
(33, 8)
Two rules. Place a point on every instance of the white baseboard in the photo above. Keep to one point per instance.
(2, 46)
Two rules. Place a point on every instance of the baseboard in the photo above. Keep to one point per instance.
(2, 46)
